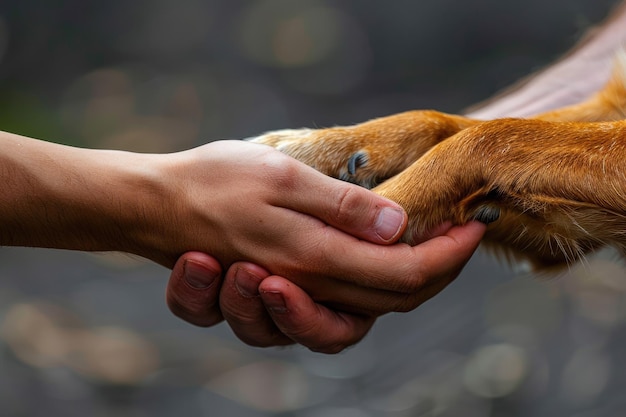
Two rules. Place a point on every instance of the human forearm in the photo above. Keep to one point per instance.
(64, 197)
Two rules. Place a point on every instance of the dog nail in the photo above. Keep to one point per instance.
(356, 161)
(487, 214)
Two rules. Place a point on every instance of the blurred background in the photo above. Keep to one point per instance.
(90, 335)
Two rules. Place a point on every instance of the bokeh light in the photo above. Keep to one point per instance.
(496, 370)
(320, 49)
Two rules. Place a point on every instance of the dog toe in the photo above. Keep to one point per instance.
(356, 161)
(487, 214)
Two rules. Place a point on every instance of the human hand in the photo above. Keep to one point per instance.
(351, 280)
(236, 200)
(196, 298)
(265, 310)
(244, 201)
(193, 294)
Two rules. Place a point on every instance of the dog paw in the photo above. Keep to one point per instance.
(369, 153)
(333, 152)
(487, 214)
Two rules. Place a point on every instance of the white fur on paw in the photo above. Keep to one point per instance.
(280, 138)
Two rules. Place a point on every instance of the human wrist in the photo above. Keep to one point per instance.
(70, 198)
(149, 224)
(133, 203)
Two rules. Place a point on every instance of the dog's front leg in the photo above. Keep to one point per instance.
(559, 189)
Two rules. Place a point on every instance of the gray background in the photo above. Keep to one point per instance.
(86, 334)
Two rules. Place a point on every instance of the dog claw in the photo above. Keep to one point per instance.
(356, 160)
(487, 214)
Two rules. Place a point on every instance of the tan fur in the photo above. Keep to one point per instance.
(558, 181)
(391, 144)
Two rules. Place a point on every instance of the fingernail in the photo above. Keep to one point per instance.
(197, 276)
(247, 283)
(389, 222)
(274, 302)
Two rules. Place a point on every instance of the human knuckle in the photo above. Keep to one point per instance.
(409, 282)
(282, 170)
(312, 257)
(348, 203)
(318, 257)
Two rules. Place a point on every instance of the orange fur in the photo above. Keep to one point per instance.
(557, 181)
(560, 187)
(390, 144)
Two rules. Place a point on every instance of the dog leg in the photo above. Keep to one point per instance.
(559, 188)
